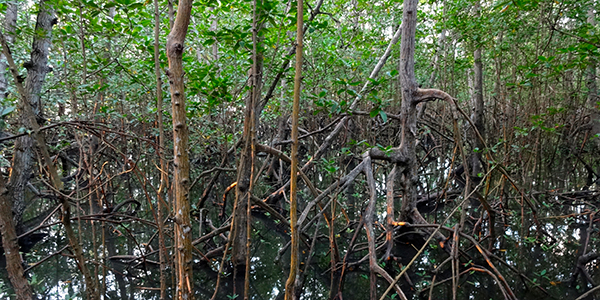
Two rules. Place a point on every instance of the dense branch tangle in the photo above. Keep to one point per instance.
(379, 197)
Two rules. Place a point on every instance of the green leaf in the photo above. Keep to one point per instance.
(374, 112)
(7, 110)
(383, 115)
(136, 5)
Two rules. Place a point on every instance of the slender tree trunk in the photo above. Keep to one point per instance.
(290, 285)
(82, 26)
(435, 66)
(213, 27)
(477, 105)
(592, 97)
(435, 62)
(171, 13)
(171, 16)
(356, 14)
(10, 24)
(14, 265)
(350, 164)
(164, 177)
(37, 67)
(404, 156)
(183, 229)
(241, 236)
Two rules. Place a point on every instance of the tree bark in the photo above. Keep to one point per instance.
(592, 96)
(409, 89)
(164, 177)
(435, 63)
(290, 285)
(183, 229)
(405, 154)
(14, 265)
(213, 27)
(82, 33)
(477, 105)
(10, 24)
(37, 68)
(241, 234)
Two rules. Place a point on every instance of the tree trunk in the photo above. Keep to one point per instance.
(14, 265)
(183, 229)
(164, 177)
(10, 24)
(295, 245)
(37, 68)
(213, 27)
(592, 97)
(74, 104)
(242, 190)
(478, 108)
(409, 89)
(435, 65)
(405, 155)
(241, 236)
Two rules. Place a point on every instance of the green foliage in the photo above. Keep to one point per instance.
(535, 56)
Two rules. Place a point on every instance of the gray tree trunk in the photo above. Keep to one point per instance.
(592, 96)
(592, 103)
(10, 24)
(408, 111)
(37, 68)
(477, 105)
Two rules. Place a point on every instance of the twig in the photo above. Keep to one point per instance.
(596, 288)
